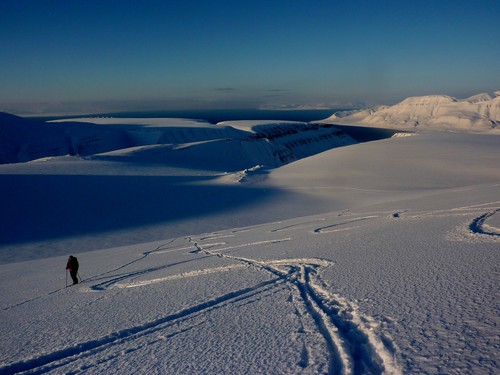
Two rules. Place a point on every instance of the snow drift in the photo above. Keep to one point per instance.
(477, 114)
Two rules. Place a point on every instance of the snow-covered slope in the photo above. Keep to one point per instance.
(23, 139)
(270, 143)
(377, 258)
(290, 141)
(477, 114)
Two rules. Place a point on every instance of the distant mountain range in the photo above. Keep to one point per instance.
(24, 139)
(477, 114)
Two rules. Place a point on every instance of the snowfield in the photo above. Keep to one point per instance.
(249, 247)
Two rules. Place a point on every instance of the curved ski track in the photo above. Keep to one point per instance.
(479, 224)
(352, 345)
(477, 229)
(355, 342)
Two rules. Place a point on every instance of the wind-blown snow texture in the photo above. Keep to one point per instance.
(479, 114)
(378, 257)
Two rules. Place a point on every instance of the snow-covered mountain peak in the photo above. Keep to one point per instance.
(477, 114)
(428, 100)
(483, 97)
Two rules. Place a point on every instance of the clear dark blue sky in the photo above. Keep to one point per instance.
(103, 55)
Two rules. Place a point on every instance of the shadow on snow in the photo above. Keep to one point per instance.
(52, 206)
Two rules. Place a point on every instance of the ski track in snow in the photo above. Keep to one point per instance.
(304, 224)
(70, 354)
(101, 276)
(353, 346)
(354, 341)
(480, 226)
(478, 229)
(326, 229)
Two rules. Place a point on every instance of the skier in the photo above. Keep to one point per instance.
(72, 266)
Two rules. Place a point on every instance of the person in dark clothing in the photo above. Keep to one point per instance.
(72, 266)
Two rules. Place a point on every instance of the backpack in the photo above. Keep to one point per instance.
(73, 262)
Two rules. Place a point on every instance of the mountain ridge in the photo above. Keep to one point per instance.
(476, 114)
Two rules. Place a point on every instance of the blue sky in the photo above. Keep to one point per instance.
(89, 56)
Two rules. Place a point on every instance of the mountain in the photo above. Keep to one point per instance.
(476, 114)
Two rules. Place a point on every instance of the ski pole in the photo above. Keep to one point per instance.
(78, 274)
(66, 278)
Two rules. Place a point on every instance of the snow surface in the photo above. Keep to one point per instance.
(477, 114)
(23, 140)
(379, 257)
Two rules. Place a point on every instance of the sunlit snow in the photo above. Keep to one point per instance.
(249, 247)
(476, 114)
